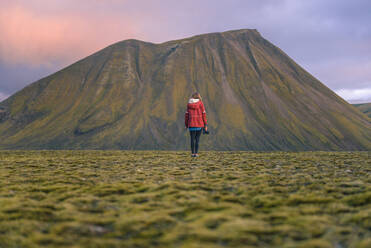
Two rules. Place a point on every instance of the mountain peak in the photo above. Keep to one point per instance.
(229, 32)
(245, 30)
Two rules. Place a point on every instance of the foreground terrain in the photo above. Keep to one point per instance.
(168, 199)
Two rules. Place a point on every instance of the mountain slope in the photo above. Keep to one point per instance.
(364, 108)
(132, 95)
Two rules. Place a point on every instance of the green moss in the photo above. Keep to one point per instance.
(364, 243)
(359, 199)
(317, 243)
(168, 199)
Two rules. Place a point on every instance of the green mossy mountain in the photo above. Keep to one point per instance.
(364, 108)
(133, 95)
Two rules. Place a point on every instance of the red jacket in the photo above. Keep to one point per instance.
(195, 115)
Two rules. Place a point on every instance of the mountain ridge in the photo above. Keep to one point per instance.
(132, 95)
(364, 108)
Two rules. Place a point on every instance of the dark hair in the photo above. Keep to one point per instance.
(197, 95)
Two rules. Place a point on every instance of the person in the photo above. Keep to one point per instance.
(195, 120)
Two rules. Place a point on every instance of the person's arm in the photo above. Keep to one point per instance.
(186, 118)
(204, 115)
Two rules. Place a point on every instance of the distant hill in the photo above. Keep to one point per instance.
(365, 108)
(132, 95)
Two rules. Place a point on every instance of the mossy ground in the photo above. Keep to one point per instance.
(168, 199)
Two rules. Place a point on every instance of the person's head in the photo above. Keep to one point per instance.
(196, 95)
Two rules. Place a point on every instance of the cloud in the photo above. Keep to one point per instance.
(45, 35)
(15, 77)
(355, 95)
(343, 73)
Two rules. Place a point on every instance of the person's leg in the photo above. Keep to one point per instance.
(193, 138)
(197, 137)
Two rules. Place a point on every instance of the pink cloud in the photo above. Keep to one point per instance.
(57, 33)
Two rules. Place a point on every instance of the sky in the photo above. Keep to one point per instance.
(331, 39)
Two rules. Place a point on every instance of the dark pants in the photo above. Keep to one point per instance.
(195, 138)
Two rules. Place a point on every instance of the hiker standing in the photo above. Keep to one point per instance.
(195, 120)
